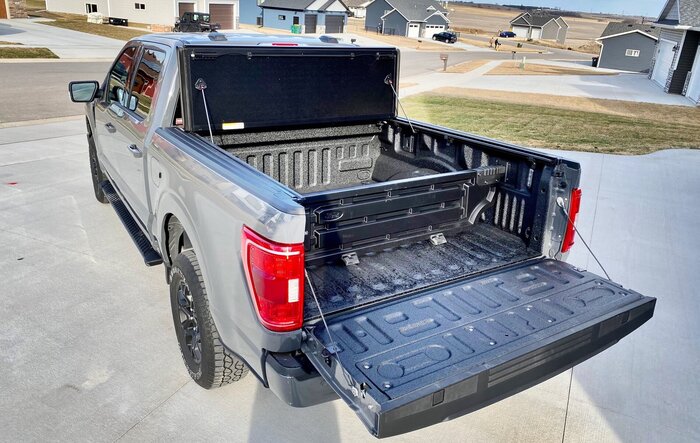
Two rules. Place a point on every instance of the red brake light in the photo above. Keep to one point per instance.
(284, 44)
(275, 274)
(574, 205)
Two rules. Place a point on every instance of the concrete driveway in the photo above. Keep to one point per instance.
(88, 353)
(623, 86)
(64, 43)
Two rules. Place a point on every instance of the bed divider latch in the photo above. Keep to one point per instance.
(350, 258)
(438, 239)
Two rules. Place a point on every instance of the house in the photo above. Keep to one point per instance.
(13, 9)
(627, 46)
(540, 25)
(358, 8)
(676, 66)
(410, 18)
(160, 14)
(317, 16)
(250, 12)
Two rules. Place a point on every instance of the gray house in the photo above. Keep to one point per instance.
(676, 66)
(318, 16)
(539, 25)
(627, 46)
(410, 18)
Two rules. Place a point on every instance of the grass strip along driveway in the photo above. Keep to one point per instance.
(547, 125)
(26, 53)
(79, 23)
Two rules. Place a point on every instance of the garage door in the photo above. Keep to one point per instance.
(520, 31)
(222, 14)
(184, 7)
(536, 33)
(334, 24)
(413, 30)
(664, 59)
(693, 91)
(310, 23)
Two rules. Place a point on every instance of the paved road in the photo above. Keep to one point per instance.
(65, 43)
(39, 90)
(88, 353)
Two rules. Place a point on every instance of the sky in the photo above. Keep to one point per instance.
(647, 8)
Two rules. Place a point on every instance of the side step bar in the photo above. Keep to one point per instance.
(150, 256)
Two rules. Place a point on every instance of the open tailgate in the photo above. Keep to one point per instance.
(441, 353)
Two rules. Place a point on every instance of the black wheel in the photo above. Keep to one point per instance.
(209, 363)
(434, 38)
(95, 170)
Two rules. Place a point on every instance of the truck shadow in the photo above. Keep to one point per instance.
(273, 420)
(9, 30)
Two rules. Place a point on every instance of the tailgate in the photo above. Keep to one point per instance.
(442, 353)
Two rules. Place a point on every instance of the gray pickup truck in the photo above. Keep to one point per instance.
(315, 238)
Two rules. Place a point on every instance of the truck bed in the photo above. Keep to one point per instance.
(411, 266)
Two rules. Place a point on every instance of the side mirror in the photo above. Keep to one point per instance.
(83, 91)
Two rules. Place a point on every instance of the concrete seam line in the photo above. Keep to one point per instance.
(43, 121)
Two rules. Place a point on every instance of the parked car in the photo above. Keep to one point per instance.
(313, 237)
(195, 22)
(507, 34)
(447, 37)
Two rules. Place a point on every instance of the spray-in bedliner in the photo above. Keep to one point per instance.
(411, 266)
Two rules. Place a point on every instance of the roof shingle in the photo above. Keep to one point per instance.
(614, 28)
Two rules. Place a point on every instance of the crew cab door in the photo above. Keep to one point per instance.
(123, 122)
(445, 352)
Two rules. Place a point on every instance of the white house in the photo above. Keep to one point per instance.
(152, 12)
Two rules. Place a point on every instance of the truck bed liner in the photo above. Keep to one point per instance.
(412, 266)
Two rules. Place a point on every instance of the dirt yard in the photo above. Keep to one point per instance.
(515, 68)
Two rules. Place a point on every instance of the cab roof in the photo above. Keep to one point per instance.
(230, 39)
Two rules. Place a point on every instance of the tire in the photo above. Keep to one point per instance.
(434, 38)
(208, 362)
(95, 170)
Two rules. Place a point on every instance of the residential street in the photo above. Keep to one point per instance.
(88, 350)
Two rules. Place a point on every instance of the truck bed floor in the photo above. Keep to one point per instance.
(411, 266)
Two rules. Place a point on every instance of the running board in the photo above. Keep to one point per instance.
(151, 257)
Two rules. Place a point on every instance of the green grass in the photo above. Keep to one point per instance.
(26, 53)
(550, 127)
(2, 42)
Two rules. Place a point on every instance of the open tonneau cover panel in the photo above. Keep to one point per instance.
(441, 353)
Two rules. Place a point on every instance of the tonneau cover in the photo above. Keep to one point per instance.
(270, 86)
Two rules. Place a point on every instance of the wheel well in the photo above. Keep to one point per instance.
(176, 237)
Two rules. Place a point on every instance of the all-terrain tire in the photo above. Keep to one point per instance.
(95, 170)
(210, 364)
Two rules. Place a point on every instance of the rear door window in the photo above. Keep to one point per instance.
(119, 76)
(146, 81)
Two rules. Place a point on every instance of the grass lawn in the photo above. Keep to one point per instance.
(26, 53)
(2, 42)
(464, 67)
(549, 125)
(79, 23)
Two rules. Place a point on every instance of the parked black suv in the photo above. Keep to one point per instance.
(447, 37)
(195, 22)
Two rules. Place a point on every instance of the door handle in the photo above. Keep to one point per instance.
(135, 151)
(110, 128)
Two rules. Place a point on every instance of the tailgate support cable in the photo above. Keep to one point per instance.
(560, 203)
(390, 82)
(333, 347)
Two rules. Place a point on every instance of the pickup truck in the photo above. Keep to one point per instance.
(316, 239)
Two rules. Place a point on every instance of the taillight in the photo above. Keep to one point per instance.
(284, 44)
(275, 274)
(574, 205)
